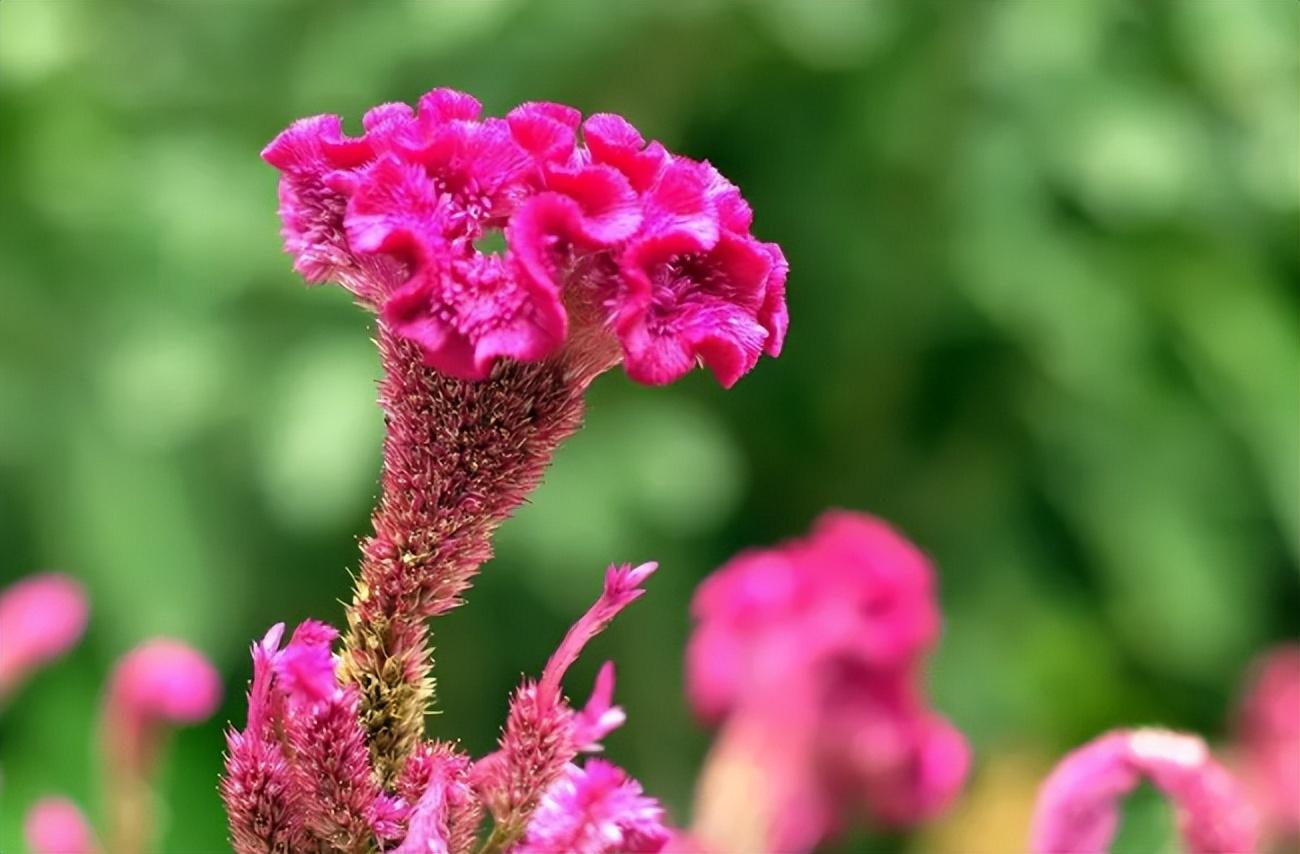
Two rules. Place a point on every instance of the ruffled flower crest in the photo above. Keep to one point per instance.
(650, 249)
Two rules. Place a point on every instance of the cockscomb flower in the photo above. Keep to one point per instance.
(1078, 806)
(41, 617)
(57, 826)
(595, 809)
(1268, 733)
(609, 249)
(600, 228)
(810, 657)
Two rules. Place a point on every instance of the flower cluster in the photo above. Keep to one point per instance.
(613, 245)
(154, 687)
(1078, 806)
(810, 655)
(299, 776)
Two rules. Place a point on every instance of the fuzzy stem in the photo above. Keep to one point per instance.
(459, 457)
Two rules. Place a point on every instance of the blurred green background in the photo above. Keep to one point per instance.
(1044, 318)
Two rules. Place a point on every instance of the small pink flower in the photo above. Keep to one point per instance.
(1078, 805)
(159, 683)
(444, 813)
(57, 826)
(542, 733)
(1268, 724)
(41, 617)
(305, 668)
(650, 250)
(817, 645)
(595, 809)
(600, 716)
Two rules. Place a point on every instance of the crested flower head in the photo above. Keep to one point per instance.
(816, 646)
(57, 826)
(1268, 724)
(41, 617)
(1078, 805)
(159, 683)
(602, 230)
(595, 809)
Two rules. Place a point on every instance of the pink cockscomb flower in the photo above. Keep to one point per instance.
(57, 826)
(41, 617)
(595, 809)
(602, 230)
(1078, 806)
(1268, 732)
(160, 683)
(809, 655)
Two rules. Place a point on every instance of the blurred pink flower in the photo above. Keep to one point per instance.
(595, 809)
(809, 654)
(1078, 805)
(41, 617)
(158, 683)
(1268, 725)
(605, 231)
(57, 826)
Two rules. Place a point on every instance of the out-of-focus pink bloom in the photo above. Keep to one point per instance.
(41, 617)
(651, 249)
(816, 646)
(1078, 805)
(595, 809)
(854, 587)
(57, 826)
(160, 682)
(1268, 725)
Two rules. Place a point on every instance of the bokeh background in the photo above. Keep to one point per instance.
(1044, 318)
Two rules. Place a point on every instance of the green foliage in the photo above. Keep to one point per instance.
(1044, 311)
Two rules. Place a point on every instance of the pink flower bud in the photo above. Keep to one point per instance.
(41, 617)
(162, 682)
(57, 826)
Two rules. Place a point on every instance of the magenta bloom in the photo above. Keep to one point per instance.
(41, 617)
(159, 683)
(810, 656)
(1078, 805)
(595, 809)
(645, 251)
(57, 826)
(1269, 734)
(301, 768)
